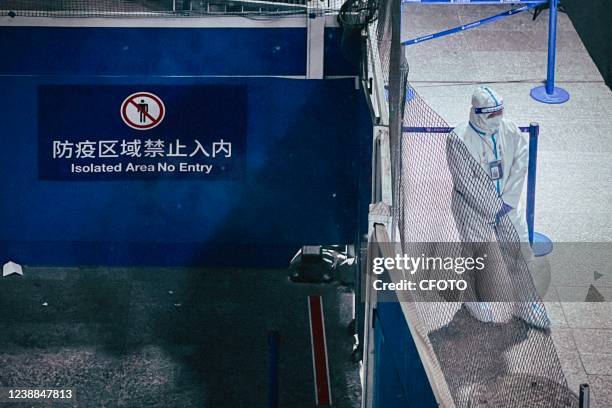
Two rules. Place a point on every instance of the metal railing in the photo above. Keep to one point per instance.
(540, 243)
(549, 93)
(163, 8)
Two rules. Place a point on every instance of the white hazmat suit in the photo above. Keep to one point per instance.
(496, 139)
(502, 151)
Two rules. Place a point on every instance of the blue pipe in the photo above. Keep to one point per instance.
(273, 345)
(552, 47)
(475, 24)
(534, 132)
(549, 93)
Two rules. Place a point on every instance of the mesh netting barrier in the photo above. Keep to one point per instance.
(445, 205)
(390, 72)
(163, 8)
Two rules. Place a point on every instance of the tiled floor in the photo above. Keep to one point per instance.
(574, 159)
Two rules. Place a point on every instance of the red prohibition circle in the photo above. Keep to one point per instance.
(154, 121)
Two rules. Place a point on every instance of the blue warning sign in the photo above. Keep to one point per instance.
(141, 132)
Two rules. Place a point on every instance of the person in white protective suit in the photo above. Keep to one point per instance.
(502, 151)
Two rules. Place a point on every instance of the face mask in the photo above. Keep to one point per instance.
(492, 124)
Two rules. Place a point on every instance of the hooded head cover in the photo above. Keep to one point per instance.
(486, 101)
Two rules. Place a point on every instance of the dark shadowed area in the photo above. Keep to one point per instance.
(169, 337)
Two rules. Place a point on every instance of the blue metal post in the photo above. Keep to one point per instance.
(534, 131)
(552, 47)
(549, 93)
(540, 243)
(273, 344)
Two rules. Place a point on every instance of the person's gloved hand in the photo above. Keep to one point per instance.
(503, 211)
(506, 208)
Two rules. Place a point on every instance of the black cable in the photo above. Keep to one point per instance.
(358, 13)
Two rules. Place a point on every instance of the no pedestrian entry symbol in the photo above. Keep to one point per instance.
(142, 110)
(202, 134)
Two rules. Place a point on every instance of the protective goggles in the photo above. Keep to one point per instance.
(490, 109)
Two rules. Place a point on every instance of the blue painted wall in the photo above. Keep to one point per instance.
(308, 146)
(400, 379)
(164, 51)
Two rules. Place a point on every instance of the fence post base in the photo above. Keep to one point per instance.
(541, 245)
(559, 95)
